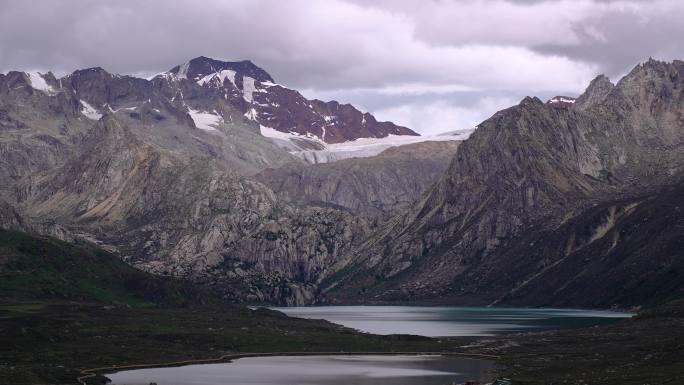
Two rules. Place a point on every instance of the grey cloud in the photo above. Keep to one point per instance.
(628, 38)
(355, 50)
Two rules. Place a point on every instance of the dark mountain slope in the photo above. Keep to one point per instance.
(532, 166)
(33, 268)
(157, 171)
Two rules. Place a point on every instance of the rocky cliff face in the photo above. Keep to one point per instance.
(176, 215)
(175, 175)
(159, 172)
(375, 187)
(533, 166)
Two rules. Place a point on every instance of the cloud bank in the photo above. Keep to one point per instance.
(431, 65)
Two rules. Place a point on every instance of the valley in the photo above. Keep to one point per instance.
(141, 216)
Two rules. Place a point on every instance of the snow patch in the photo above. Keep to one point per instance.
(248, 88)
(218, 77)
(275, 134)
(359, 148)
(268, 84)
(38, 82)
(183, 70)
(251, 114)
(89, 111)
(562, 99)
(205, 120)
(123, 109)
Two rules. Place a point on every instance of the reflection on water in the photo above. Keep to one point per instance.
(437, 321)
(316, 370)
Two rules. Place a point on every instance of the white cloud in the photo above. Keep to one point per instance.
(322, 44)
(441, 116)
(347, 49)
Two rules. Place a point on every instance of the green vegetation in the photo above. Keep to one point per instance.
(45, 268)
(64, 308)
(50, 342)
(646, 349)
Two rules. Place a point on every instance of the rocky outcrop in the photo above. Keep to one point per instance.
(10, 218)
(532, 166)
(597, 91)
(175, 215)
(158, 172)
(375, 187)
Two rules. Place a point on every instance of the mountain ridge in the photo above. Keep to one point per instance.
(174, 177)
(529, 164)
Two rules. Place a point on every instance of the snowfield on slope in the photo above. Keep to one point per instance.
(359, 148)
(205, 120)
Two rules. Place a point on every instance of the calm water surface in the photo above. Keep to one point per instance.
(442, 321)
(377, 370)
(316, 370)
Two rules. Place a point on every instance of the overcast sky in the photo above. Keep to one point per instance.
(431, 65)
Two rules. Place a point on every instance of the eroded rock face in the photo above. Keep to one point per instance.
(532, 166)
(163, 173)
(159, 172)
(375, 188)
(176, 215)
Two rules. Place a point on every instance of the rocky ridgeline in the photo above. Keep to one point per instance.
(159, 171)
(545, 204)
(534, 189)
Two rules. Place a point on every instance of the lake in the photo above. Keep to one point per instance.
(380, 369)
(443, 321)
(316, 370)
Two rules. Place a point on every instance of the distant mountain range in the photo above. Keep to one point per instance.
(210, 172)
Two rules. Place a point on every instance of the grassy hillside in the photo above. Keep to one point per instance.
(646, 349)
(34, 267)
(67, 307)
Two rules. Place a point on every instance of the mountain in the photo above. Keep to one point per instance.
(556, 204)
(375, 187)
(274, 107)
(161, 172)
(183, 175)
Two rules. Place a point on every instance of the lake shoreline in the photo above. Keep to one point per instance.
(436, 303)
(453, 321)
(227, 358)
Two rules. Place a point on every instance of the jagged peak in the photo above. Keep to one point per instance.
(653, 65)
(597, 90)
(530, 100)
(201, 66)
(600, 79)
(92, 71)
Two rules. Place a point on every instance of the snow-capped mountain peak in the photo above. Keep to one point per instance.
(253, 92)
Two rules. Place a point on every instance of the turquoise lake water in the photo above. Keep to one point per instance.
(442, 321)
